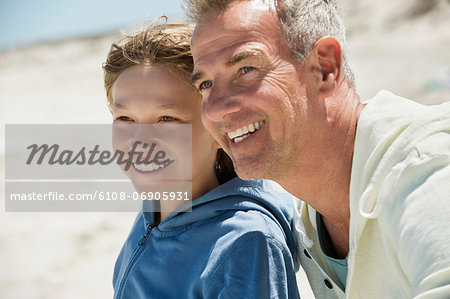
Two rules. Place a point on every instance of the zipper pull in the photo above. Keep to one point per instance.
(149, 230)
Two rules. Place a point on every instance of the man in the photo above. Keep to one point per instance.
(279, 98)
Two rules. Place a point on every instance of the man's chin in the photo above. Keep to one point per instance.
(248, 173)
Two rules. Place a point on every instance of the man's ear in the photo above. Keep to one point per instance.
(328, 55)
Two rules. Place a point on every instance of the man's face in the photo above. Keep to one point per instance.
(254, 97)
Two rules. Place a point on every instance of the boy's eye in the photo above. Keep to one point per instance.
(124, 118)
(167, 118)
(205, 84)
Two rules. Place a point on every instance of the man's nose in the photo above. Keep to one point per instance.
(220, 104)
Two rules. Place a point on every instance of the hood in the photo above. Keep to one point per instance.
(389, 130)
(264, 196)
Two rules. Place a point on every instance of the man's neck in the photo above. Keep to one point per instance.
(328, 189)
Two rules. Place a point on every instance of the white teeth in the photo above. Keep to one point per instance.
(238, 139)
(251, 128)
(150, 167)
(245, 131)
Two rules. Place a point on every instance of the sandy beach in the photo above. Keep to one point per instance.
(402, 46)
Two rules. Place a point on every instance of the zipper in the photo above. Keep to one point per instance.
(133, 259)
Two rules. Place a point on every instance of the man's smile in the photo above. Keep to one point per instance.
(245, 131)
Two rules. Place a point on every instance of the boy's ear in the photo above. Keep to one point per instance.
(327, 56)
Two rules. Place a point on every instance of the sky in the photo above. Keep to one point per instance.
(23, 22)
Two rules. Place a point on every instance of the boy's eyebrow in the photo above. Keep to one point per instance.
(162, 106)
(119, 106)
(232, 61)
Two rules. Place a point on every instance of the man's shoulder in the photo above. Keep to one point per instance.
(388, 109)
(390, 128)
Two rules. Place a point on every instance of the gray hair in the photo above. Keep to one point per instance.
(303, 22)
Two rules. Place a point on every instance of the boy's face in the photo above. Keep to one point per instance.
(156, 103)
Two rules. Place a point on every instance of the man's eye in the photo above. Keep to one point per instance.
(167, 118)
(205, 84)
(247, 69)
(124, 118)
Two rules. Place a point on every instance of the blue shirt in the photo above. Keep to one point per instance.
(236, 243)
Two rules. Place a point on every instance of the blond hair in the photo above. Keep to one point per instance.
(158, 43)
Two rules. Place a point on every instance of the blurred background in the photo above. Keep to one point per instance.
(51, 54)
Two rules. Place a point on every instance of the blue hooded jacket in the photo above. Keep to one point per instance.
(236, 243)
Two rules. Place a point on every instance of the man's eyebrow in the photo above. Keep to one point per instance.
(242, 56)
(232, 61)
(195, 77)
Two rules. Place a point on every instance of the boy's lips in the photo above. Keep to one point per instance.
(152, 166)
